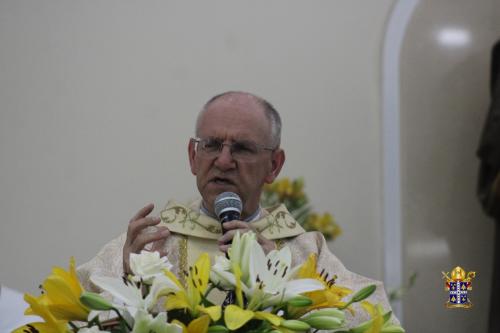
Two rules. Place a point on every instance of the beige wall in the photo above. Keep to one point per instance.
(98, 99)
(445, 63)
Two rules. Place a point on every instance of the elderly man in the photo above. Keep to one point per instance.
(236, 149)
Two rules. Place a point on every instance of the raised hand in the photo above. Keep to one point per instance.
(138, 237)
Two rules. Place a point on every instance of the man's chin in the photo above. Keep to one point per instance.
(217, 188)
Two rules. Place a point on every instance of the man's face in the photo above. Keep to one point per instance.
(237, 118)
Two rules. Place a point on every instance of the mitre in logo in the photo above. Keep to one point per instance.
(458, 286)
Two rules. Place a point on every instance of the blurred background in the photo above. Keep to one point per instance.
(383, 103)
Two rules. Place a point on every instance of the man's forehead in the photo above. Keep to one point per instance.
(235, 118)
(241, 108)
(237, 102)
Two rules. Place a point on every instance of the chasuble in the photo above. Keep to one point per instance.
(193, 233)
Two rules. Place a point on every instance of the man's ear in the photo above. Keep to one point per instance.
(277, 161)
(191, 155)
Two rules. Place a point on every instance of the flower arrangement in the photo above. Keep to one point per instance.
(291, 194)
(264, 294)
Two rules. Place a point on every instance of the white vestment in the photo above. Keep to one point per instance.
(194, 233)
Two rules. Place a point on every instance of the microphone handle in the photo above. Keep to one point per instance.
(229, 216)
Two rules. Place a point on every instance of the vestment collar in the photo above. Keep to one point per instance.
(275, 222)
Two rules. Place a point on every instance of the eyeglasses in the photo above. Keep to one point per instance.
(240, 150)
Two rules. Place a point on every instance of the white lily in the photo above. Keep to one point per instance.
(220, 274)
(130, 295)
(145, 323)
(147, 265)
(239, 254)
(268, 281)
(270, 277)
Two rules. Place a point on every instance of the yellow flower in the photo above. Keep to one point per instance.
(287, 189)
(51, 324)
(62, 291)
(379, 322)
(330, 297)
(376, 313)
(199, 325)
(324, 224)
(190, 298)
(235, 317)
(298, 188)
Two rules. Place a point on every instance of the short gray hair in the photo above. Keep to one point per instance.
(271, 113)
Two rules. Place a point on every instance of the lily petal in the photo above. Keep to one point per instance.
(51, 324)
(162, 286)
(215, 312)
(270, 317)
(235, 317)
(199, 325)
(127, 293)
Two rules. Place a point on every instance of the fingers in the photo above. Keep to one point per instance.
(229, 234)
(140, 221)
(138, 243)
(224, 247)
(266, 244)
(232, 227)
(136, 239)
(235, 225)
(143, 212)
(135, 227)
(227, 237)
(157, 246)
(142, 239)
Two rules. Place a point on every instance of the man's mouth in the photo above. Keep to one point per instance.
(222, 181)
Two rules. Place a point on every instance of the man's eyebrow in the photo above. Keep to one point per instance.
(236, 139)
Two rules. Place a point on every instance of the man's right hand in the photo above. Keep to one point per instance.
(137, 239)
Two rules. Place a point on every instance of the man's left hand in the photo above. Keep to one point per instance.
(233, 226)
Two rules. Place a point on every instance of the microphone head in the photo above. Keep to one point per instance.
(227, 201)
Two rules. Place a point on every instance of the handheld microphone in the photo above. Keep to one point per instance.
(228, 207)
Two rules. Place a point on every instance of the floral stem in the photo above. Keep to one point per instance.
(73, 326)
(121, 318)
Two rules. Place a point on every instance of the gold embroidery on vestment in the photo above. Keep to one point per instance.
(187, 218)
(183, 260)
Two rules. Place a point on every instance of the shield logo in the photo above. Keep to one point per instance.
(458, 287)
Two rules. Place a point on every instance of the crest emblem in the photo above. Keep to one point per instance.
(458, 287)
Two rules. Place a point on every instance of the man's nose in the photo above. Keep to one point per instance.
(224, 160)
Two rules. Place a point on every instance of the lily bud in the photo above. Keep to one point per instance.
(386, 316)
(295, 325)
(300, 301)
(324, 323)
(95, 301)
(363, 293)
(217, 329)
(328, 312)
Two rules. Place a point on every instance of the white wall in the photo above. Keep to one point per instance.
(98, 100)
